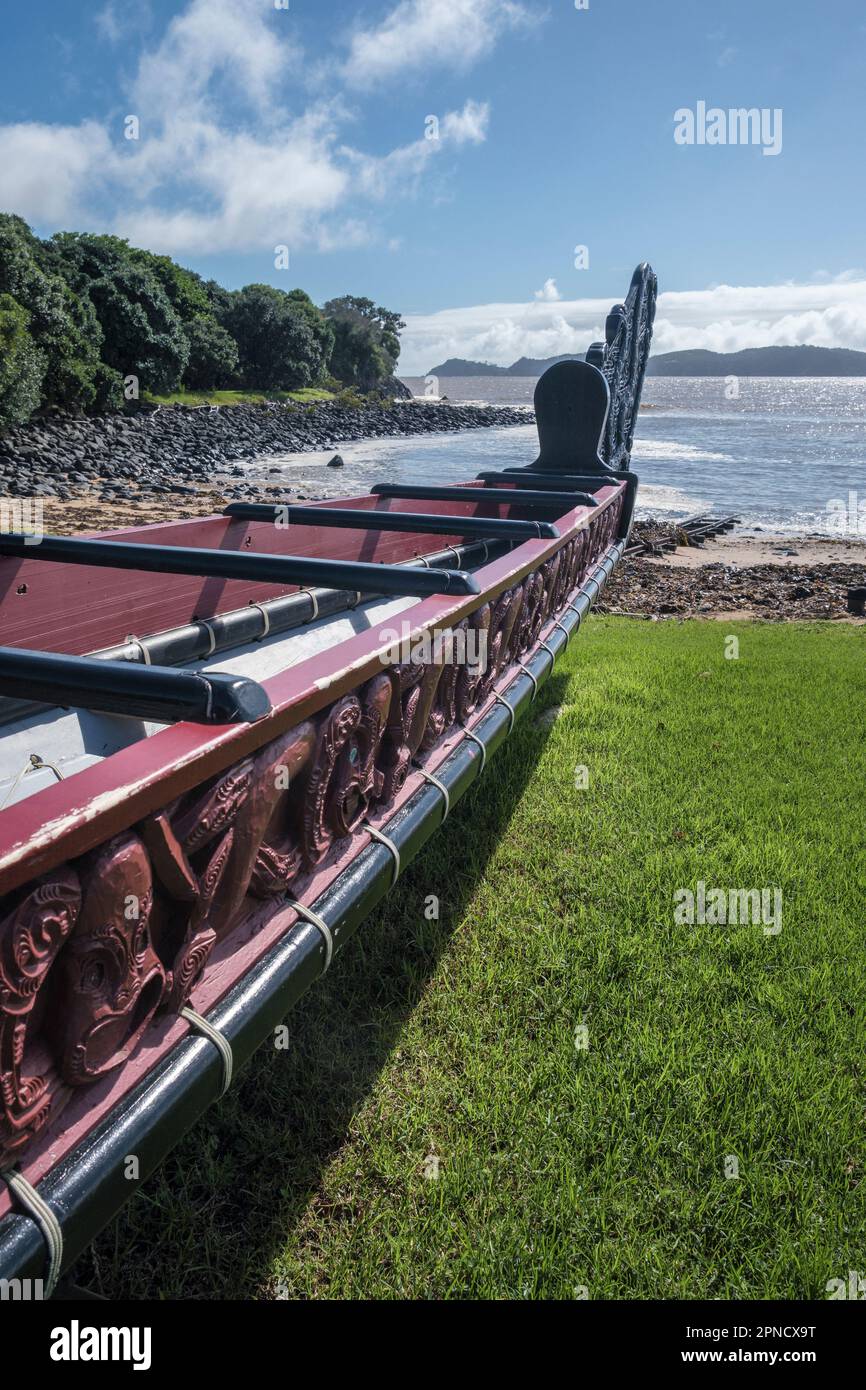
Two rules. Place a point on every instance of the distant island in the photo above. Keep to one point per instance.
(768, 361)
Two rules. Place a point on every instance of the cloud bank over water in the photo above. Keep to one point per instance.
(726, 318)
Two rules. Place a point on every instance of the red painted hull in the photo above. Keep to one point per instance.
(194, 827)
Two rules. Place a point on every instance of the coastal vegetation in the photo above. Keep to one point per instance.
(550, 1088)
(89, 324)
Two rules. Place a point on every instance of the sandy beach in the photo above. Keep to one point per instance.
(745, 549)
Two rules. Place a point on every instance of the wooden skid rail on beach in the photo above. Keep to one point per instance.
(204, 870)
(693, 531)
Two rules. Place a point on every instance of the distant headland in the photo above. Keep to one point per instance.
(768, 361)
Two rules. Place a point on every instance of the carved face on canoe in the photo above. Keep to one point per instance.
(346, 748)
(343, 779)
(111, 978)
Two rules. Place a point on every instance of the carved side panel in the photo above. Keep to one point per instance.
(31, 936)
(241, 835)
(90, 953)
(108, 980)
(344, 779)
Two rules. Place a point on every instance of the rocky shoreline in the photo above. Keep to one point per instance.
(177, 450)
(806, 586)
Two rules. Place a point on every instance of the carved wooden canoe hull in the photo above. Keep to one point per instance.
(153, 863)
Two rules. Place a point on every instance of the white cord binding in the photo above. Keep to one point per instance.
(437, 782)
(314, 601)
(389, 844)
(131, 637)
(481, 744)
(202, 622)
(33, 764)
(526, 671)
(201, 1025)
(39, 1211)
(266, 616)
(550, 652)
(566, 630)
(316, 921)
(502, 700)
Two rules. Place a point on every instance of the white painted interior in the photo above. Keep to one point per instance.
(75, 739)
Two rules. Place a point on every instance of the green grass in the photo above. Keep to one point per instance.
(558, 1167)
(196, 398)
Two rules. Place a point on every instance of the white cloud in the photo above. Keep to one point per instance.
(50, 173)
(466, 127)
(229, 40)
(429, 33)
(380, 176)
(842, 277)
(224, 162)
(548, 292)
(259, 193)
(722, 319)
(107, 23)
(120, 23)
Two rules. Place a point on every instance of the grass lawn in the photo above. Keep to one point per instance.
(437, 1128)
(197, 398)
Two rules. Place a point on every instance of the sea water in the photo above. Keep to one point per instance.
(785, 454)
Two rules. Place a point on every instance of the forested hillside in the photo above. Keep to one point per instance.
(89, 323)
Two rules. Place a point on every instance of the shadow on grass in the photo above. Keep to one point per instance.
(209, 1223)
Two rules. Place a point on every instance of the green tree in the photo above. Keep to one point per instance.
(322, 331)
(213, 354)
(142, 332)
(186, 291)
(22, 365)
(62, 326)
(366, 341)
(219, 300)
(279, 349)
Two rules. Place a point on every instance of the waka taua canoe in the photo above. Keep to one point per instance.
(220, 742)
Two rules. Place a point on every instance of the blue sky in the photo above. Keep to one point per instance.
(305, 127)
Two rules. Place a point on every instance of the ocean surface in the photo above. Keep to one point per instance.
(784, 456)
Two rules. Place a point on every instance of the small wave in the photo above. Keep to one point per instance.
(672, 452)
(656, 498)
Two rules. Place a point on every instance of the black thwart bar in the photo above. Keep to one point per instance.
(529, 478)
(611, 475)
(563, 500)
(358, 519)
(235, 564)
(554, 482)
(121, 687)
